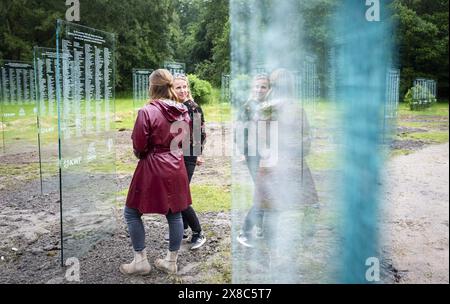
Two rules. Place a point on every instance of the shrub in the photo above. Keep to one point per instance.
(419, 103)
(201, 90)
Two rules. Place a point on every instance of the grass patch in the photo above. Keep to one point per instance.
(321, 161)
(211, 198)
(214, 111)
(218, 112)
(242, 196)
(121, 197)
(217, 269)
(125, 114)
(205, 198)
(11, 174)
(124, 192)
(434, 137)
(420, 124)
(399, 152)
(125, 168)
(438, 109)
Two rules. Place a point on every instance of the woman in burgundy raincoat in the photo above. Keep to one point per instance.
(160, 183)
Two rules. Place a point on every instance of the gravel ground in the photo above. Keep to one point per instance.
(416, 215)
(415, 222)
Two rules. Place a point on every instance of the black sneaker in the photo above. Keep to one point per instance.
(197, 240)
(244, 239)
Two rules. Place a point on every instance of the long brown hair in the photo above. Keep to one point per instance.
(161, 85)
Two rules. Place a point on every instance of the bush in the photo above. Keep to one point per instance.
(204, 70)
(416, 104)
(201, 90)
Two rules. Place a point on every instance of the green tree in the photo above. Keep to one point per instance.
(423, 41)
(205, 39)
(25, 24)
(144, 32)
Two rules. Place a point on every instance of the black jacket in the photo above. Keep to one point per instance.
(197, 142)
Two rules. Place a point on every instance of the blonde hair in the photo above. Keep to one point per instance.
(161, 85)
(184, 78)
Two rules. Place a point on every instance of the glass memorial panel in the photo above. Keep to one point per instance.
(18, 106)
(2, 142)
(19, 144)
(140, 87)
(175, 67)
(46, 69)
(364, 56)
(86, 118)
(424, 93)
(307, 157)
(283, 174)
(392, 101)
(225, 93)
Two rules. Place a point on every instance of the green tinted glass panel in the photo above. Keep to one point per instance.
(86, 135)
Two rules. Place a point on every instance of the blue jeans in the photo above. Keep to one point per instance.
(137, 231)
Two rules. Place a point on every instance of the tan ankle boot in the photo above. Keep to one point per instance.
(169, 263)
(139, 265)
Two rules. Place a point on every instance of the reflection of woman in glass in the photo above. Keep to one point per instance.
(160, 183)
(284, 183)
(254, 218)
(190, 219)
(260, 89)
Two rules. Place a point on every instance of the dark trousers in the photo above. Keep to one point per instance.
(255, 215)
(190, 218)
(252, 165)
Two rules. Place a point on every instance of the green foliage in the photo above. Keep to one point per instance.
(205, 40)
(197, 32)
(427, 100)
(201, 90)
(25, 24)
(423, 41)
(146, 31)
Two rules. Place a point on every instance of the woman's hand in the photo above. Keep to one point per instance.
(200, 161)
(140, 155)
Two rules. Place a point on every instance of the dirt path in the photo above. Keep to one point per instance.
(416, 215)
